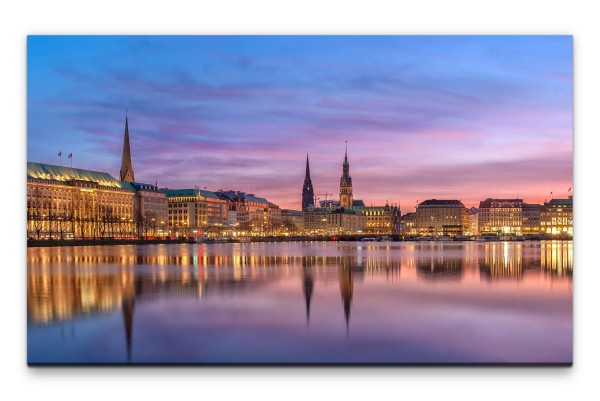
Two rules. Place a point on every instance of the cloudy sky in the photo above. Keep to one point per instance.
(446, 117)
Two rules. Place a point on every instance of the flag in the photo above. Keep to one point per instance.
(60, 153)
(70, 155)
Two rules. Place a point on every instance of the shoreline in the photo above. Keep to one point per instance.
(391, 238)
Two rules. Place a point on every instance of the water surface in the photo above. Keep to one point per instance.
(302, 302)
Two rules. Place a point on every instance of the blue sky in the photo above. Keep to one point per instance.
(456, 117)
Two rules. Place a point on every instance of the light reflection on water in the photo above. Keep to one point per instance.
(428, 302)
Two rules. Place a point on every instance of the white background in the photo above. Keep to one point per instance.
(18, 19)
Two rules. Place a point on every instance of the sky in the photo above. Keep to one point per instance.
(444, 117)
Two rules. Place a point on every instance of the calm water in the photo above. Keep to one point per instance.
(430, 302)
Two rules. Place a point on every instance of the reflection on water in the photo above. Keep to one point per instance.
(421, 283)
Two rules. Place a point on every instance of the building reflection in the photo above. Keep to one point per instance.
(308, 264)
(346, 277)
(556, 258)
(434, 266)
(65, 283)
(501, 260)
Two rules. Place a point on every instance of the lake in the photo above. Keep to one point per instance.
(301, 302)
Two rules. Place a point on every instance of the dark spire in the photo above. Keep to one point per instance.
(308, 194)
(307, 176)
(126, 173)
(346, 155)
(346, 179)
(307, 287)
(128, 307)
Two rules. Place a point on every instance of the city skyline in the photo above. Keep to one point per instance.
(438, 117)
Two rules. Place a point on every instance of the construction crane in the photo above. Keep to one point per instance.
(317, 198)
(326, 194)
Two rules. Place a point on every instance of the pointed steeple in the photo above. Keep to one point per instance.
(307, 289)
(308, 195)
(346, 155)
(126, 173)
(346, 197)
(307, 176)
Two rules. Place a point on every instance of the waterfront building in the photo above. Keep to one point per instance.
(196, 212)
(346, 196)
(308, 195)
(531, 214)
(380, 219)
(272, 219)
(126, 173)
(408, 223)
(441, 217)
(473, 228)
(316, 221)
(501, 216)
(292, 221)
(255, 216)
(232, 221)
(151, 210)
(556, 217)
(346, 221)
(72, 203)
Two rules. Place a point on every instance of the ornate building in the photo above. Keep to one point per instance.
(126, 173)
(442, 217)
(501, 216)
(556, 217)
(346, 197)
(308, 196)
(71, 203)
(196, 212)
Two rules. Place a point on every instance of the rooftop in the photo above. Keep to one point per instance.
(173, 193)
(61, 173)
(568, 202)
(441, 202)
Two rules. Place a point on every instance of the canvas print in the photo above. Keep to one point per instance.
(288, 200)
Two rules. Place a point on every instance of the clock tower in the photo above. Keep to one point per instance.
(346, 197)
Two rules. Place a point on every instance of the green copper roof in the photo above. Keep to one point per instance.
(61, 173)
(172, 193)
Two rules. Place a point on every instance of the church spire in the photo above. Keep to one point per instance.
(126, 173)
(307, 176)
(308, 195)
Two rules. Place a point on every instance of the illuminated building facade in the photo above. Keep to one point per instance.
(473, 228)
(344, 221)
(292, 221)
(501, 216)
(316, 221)
(151, 210)
(255, 216)
(380, 219)
(408, 223)
(556, 217)
(531, 214)
(346, 196)
(196, 212)
(71, 203)
(441, 217)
